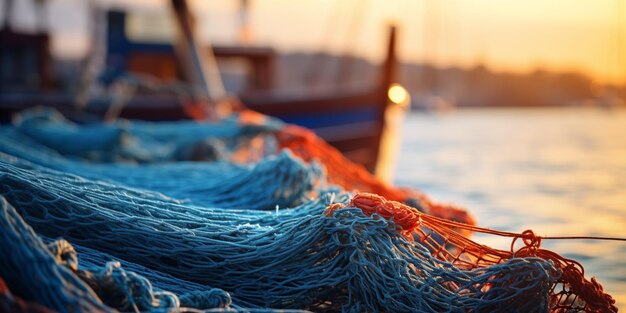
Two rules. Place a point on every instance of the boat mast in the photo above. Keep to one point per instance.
(199, 65)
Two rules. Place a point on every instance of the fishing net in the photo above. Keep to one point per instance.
(11, 303)
(345, 261)
(341, 171)
(50, 277)
(32, 272)
(570, 292)
(251, 227)
(330, 253)
(41, 136)
(147, 142)
(277, 180)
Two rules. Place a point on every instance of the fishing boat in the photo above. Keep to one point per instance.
(354, 120)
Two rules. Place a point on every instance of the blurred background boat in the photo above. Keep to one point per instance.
(143, 78)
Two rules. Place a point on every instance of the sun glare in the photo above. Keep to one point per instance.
(397, 94)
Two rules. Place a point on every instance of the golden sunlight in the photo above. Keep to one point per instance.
(397, 94)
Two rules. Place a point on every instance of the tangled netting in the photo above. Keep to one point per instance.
(147, 142)
(277, 180)
(347, 258)
(48, 277)
(345, 261)
(571, 292)
(40, 134)
(144, 234)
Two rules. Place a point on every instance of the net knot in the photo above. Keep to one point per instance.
(405, 218)
(206, 299)
(64, 253)
(531, 242)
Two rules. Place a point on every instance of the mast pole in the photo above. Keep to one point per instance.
(199, 65)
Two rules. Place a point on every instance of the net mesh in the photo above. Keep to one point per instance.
(343, 261)
(11, 303)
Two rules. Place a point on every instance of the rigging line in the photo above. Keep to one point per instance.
(583, 237)
(522, 235)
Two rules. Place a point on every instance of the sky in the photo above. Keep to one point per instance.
(519, 36)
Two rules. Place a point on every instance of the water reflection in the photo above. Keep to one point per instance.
(556, 171)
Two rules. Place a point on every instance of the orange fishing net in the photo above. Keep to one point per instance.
(571, 293)
(343, 172)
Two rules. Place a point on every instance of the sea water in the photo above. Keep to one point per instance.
(559, 172)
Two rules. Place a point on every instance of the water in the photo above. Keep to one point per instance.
(555, 171)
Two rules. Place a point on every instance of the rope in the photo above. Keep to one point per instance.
(583, 237)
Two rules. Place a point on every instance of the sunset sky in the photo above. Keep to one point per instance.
(583, 35)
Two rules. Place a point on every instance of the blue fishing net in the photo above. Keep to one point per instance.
(277, 180)
(53, 276)
(143, 142)
(294, 259)
(130, 225)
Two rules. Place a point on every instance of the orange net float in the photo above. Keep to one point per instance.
(446, 240)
